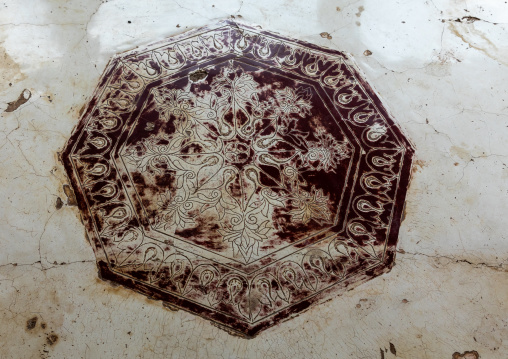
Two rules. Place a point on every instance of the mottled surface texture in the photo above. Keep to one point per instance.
(440, 68)
(238, 174)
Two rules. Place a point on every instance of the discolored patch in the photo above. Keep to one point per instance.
(239, 175)
(198, 75)
(59, 203)
(360, 10)
(22, 99)
(52, 338)
(392, 349)
(71, 198)
(326, 35)
(466, 355)
(10, 70)
(31, 323)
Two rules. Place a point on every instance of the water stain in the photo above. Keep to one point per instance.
(478, 40)
(326, 35)
(460, 152)
(360, 10)
(11, 72)
(71, 198)
(59, 203)
(466, 355)
(31, 323)
(392, 349)
(52, 338)
(22, 99)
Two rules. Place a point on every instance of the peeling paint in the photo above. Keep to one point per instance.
(22, 99)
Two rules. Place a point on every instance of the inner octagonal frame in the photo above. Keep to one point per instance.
(253, 266)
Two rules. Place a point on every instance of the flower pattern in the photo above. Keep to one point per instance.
(326, 153)
(310, 205)
(137, 161)
(224, 140)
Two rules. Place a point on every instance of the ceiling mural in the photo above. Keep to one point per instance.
(239, 175)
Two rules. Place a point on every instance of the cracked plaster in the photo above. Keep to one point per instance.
(443, 79)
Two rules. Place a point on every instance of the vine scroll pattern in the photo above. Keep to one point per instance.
(217, 152)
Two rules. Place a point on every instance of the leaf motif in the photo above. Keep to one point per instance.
(265, 209)
(220, 211)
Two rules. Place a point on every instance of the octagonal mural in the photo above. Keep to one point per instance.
(238, 174)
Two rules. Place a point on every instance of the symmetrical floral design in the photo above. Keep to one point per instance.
(221, 141)
(182, 158)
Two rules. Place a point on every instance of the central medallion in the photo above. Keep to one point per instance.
(240, 165)
(237, 152)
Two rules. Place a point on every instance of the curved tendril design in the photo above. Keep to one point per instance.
(216, 174)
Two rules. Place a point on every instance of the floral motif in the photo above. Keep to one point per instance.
(325, 153)
(185, 164)
(217, 154)
(310, 205)
(291, 101)
(173, 102)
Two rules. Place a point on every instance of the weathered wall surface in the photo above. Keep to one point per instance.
(439, 66)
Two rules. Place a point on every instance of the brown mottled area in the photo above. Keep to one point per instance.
(58, 203)
(360, 10)
(326, 35)
(71, 198)
(10, 70)
(22, 99)
(31, 323)
(466, 355)
(198, 75)
(52, 338)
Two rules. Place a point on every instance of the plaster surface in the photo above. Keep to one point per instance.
(440, 68)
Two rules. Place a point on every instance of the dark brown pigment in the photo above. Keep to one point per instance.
(239, 175)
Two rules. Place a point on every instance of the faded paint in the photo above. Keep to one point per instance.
(447, 293)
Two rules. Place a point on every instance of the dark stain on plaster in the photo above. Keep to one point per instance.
(59, 203)
(198, 75)
(360, 10)
(52, 338)
(31, 323)
(23, 98)
(71, 198)
(467, 19)
(392, 349)
(403, 213)
(82, 109)
(326, 35)
(473, 354)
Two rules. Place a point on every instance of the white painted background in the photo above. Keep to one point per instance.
(445, 82)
